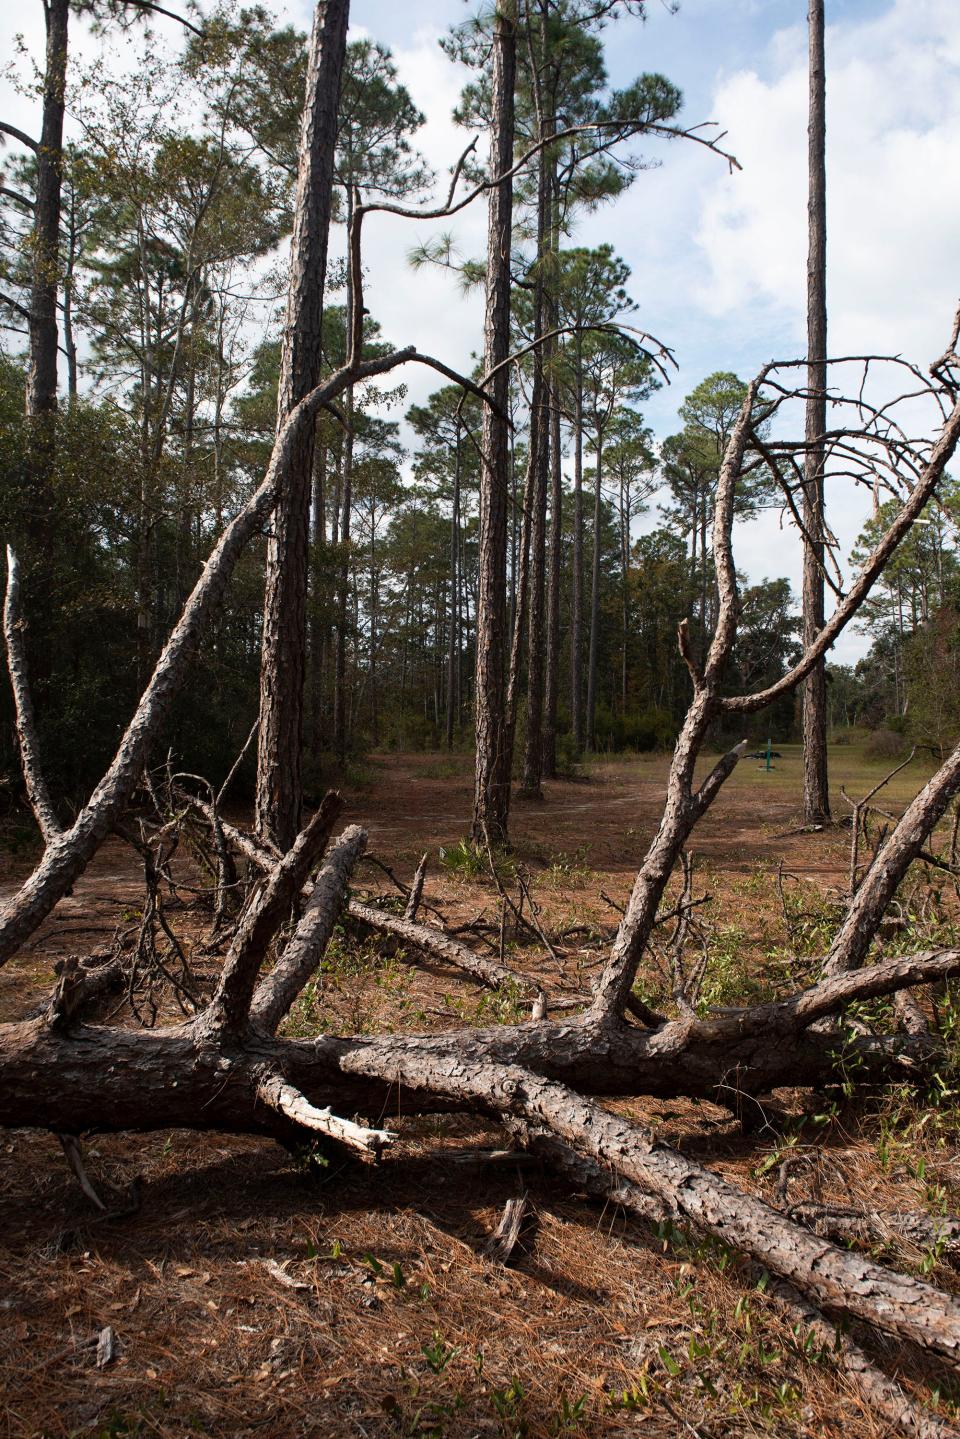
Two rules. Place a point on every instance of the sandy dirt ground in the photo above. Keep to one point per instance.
(259, 1292)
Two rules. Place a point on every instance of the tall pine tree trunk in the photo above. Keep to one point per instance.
(318, 589)
(522, 581)
(453, 636)
(492, 790)
(279, 774)
(552, 681)
(536, 638)
(576, 622)
(41, 393)
(594, 605)
(343, 591)
(816, 794)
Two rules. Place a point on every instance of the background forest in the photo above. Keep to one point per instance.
(176, 209)
(334, 1080)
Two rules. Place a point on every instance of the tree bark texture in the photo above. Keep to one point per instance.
(536, 636)
(576, 601)
(283, 657)
(492, 786)
(41, 390)
(816, 792)
(554, 575)
(594, 643)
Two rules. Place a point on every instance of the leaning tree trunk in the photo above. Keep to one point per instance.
(279, 774)
(491, 806)
(816, 793)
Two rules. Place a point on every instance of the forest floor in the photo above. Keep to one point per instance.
(255, 1292)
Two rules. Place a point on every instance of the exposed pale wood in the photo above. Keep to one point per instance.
(504, 1239)
(293, 1105)
(71, 1148)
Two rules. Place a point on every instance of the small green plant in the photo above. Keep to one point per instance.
(471, 861)
(572, 1414)
(438, 1353)
(508, 1406)
(466, 859)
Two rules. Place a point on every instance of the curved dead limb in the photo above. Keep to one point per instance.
(293, 1105)
(434, 942)
(71, 1148)
(278, 990)
(835, 992)
(232, 771)
(684, 807)
(260, 853)
(879, 557)
(37, 792)
(229, 1007)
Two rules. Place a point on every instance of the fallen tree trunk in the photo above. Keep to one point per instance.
(881, 1393)
(109, 1079)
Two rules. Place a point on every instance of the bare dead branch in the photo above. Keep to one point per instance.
(277, 991)
(36, 785)
(440, 946)
(281, 1096)
(228, 1010)
(416, 889)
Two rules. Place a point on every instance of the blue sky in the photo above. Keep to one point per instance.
(718, 260)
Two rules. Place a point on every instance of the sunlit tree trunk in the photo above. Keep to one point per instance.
(816, 793)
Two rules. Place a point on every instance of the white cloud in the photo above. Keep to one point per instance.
(893, 208)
